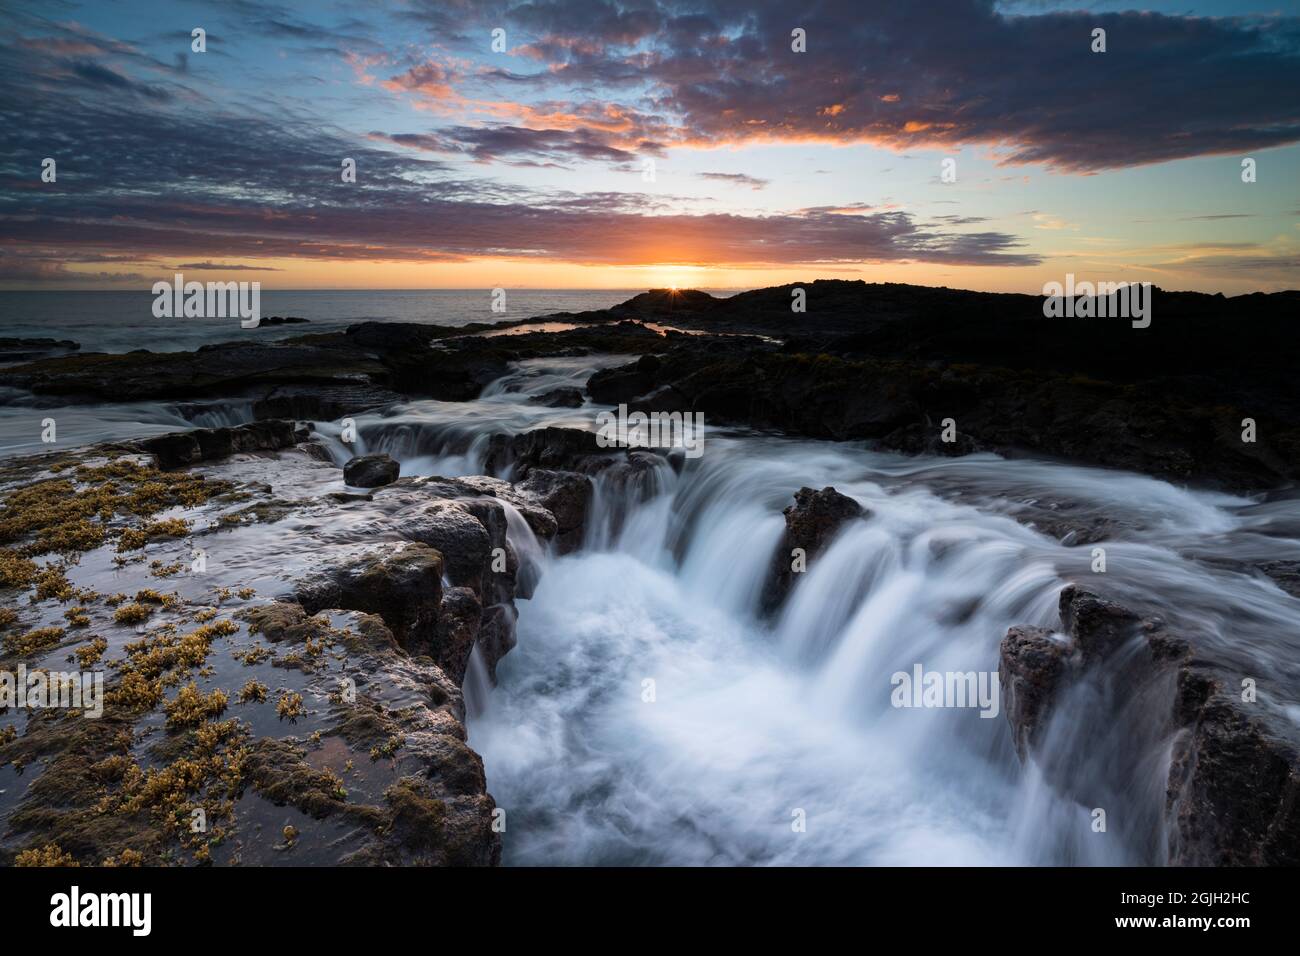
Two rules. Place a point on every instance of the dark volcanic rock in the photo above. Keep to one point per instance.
(1097, 626)
(459, 619)
(567, 495)
(462, 539)
(402, 583)
(177, 449)
(371, 471)
(1030, 669)
(559, 398)
(1234, 783)
(810, 524)
(560, 449)
(1233, 787)
(322, 402)
(614, 386)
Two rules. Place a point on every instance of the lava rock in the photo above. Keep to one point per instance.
(568, 496)
(1031, 665)
(567, 397)
(401, 583)
(371, 471)
(810, 524)
(179, 449)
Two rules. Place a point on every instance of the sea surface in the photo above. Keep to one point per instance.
(124, 321)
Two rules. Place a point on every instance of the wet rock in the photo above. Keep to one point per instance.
(556, 449)
(567, 495)
(322, 402)
(1232, 795)
(463, 541)
(371, 471)
(1098, 627)
(226, 370)
(459, 618)
(810, 524)
(927, 439)
(540, 521)
(615, 386)
(401, 583)
(178, 449)
(496, 636)
(1234, 779)
(1030, 668)
(559, 398)
(274, 320)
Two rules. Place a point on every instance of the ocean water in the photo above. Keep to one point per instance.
(124, 321)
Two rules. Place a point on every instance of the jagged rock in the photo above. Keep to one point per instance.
(539, 519)
(322, 402)
(371, 471)
(567, 495)
(557, 449)
(1234, 781)
(559, 398)
(810, 524)
(1233, 787)
(1097, 626)
(1030, 668)
(614, 386)
(459, 536)
(177, 449)
(401, 583)
(459, 619)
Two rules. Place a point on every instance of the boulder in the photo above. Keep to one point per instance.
(401, 583)
(567, 495)
(567, 397)
(559, 449)
(179, 449)
(371, 471)
(810, 524)
(1030, 669)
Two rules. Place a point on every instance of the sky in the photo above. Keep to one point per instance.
(650, 143)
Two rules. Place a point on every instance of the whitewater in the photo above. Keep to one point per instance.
(651, 714)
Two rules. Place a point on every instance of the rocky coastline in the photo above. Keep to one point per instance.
(353, 671)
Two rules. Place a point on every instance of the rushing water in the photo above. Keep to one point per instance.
(651, 715)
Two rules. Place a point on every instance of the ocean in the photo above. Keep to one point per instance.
(124, 321)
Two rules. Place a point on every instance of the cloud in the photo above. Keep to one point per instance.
(739, 179)
(146, 180)
(940, 74)
(224, 267)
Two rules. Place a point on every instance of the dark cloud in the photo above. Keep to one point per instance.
(739, 179)
(224, 267)
(146, 177)
(939, 74)
(552, 146)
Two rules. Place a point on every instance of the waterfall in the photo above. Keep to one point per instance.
(653, 713)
